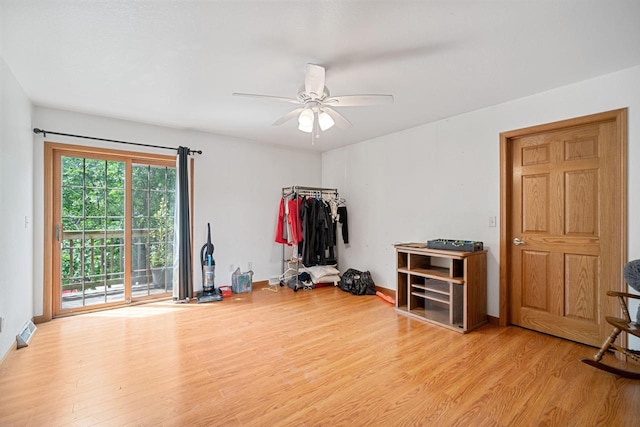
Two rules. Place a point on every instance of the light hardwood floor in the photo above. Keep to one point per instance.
(318, 357)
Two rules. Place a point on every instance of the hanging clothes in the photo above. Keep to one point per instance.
(293, 218)
(305, 215)
(310, 224)
(333, 204)
(322, 230)
(281, 225)
(318, 233)
(342, 218)
(289, 227)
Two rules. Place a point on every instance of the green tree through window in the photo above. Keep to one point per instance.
(93, 219)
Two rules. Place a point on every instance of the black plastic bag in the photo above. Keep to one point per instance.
(357, 282)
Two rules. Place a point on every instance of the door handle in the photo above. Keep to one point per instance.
(518, 242)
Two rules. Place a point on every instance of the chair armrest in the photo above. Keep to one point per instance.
(622, 294)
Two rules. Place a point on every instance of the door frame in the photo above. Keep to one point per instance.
(618, 116)
(50, 182)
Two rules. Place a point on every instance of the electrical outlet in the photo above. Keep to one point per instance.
(492, 221)
(1, 323)
(250, 266)
(231, 268)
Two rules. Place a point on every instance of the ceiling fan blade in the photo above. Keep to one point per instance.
(290, 115)
(314, 80)
(358, 100)
(340, 120)
(267, 97)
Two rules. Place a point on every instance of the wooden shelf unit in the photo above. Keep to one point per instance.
(448, 288)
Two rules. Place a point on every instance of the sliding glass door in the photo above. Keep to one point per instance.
(112, 221)
(153, 191)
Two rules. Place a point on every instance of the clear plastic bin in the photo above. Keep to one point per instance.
(241, 282)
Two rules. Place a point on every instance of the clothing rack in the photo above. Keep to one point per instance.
(303, 191)
(308, 191)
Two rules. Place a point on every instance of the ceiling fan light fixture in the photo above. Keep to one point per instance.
(305, 118)
(305, 127)
(325, 121)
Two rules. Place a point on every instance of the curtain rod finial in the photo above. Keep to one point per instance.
(37, 131)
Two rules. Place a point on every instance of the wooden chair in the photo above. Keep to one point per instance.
(619, 325)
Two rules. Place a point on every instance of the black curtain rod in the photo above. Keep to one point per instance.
(45, 132)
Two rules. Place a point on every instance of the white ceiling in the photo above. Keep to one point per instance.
(176, 63)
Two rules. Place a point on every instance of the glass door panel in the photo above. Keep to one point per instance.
(152, 211)
(92, 238)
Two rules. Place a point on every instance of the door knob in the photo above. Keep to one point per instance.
(518, 242)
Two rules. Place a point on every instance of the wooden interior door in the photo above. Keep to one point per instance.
(565, 234)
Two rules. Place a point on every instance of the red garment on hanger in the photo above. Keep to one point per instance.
(280, 226)
(294, 220)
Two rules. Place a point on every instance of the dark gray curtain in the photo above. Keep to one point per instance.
(183, 280)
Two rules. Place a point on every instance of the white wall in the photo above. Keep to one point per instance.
(237, 187)
(442, 180)
(16, 207)
(436, 180)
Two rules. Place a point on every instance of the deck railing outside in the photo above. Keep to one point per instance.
(94, 260)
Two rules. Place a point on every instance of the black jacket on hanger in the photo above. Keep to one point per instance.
(342, 215)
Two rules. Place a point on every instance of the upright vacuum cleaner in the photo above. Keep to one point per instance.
(209, 291)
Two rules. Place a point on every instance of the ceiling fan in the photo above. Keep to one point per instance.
(316, 111)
